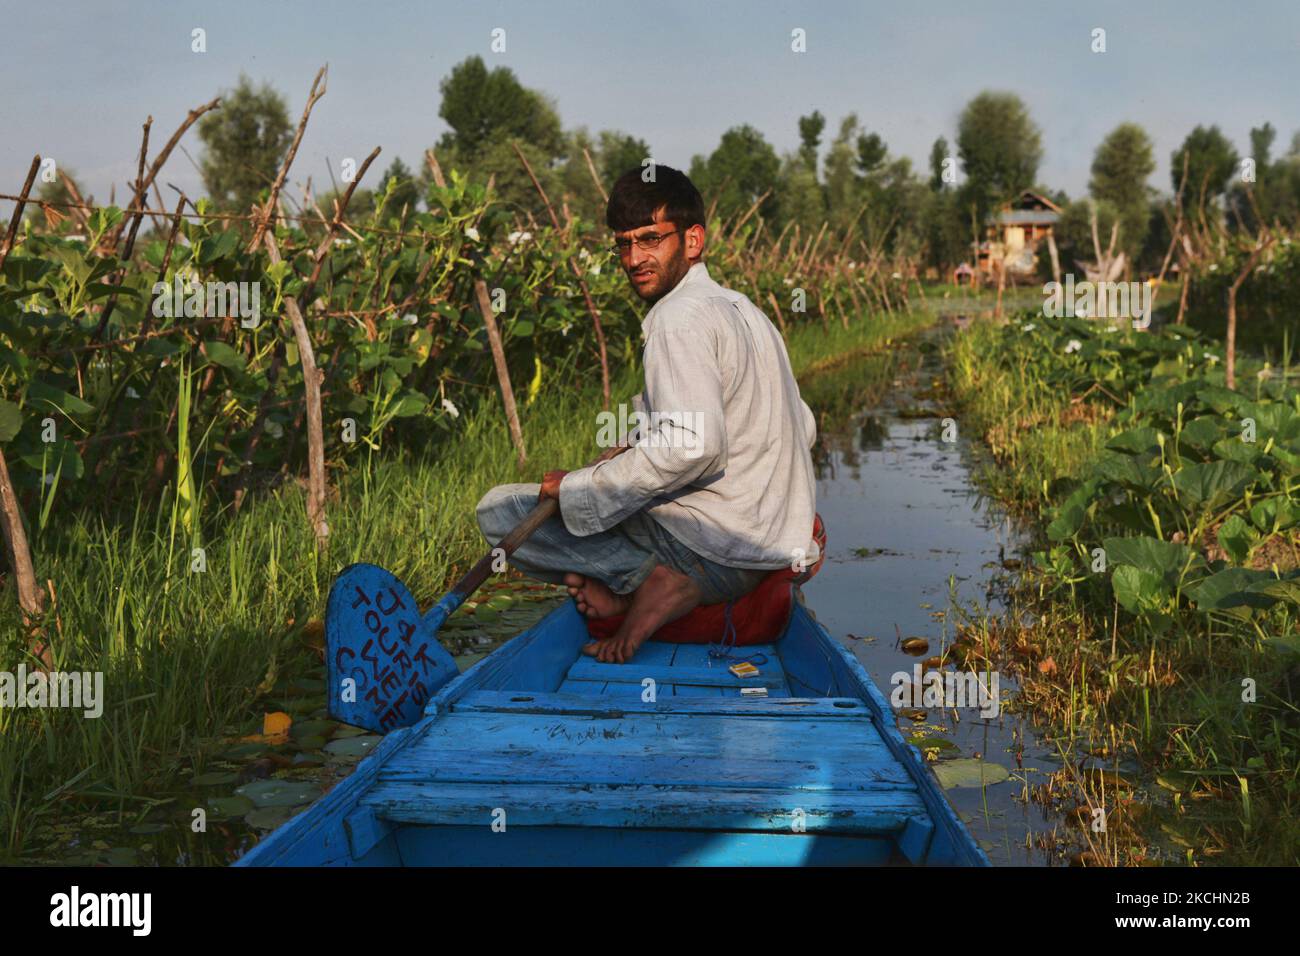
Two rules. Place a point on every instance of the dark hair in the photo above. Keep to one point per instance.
(632, 202)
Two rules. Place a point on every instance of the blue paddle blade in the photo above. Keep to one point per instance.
(382, 664)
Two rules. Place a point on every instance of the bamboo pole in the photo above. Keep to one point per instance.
(269, 209)
(604, 196)
(312, 377)
(156, 166)
(30, 598)
(503, 372)
(1230, 357)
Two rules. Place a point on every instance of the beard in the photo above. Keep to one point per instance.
(660, 277)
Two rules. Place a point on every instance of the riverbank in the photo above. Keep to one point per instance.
(213, 677)
(1155, 625)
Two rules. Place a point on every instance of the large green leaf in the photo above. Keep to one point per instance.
(1136, 441)
(1073, 510)
(1201, 433)
(41, 395)
(410, 404)
(1128, 471)
(1280, 511)
(11, 420)
(1220, 399)
(1230, 591)
(1138, 590)
(220, 353)
(59, 458)
(1213, 483)
(1244, 452)
(1237, 538)
(1164, 559)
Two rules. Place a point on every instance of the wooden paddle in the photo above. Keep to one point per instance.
(383, 660)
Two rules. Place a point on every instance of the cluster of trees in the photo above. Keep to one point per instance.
(852, 182)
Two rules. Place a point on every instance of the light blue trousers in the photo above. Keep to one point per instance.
(621, 557)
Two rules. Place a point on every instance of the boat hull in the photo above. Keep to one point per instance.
(540, 756)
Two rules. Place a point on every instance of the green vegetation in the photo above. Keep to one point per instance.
(1163, 598)
(192, 660)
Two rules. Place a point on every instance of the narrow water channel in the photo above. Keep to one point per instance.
(909, 540)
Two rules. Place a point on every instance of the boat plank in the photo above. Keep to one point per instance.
(589, 669)
(546, 766)
(837, 740)
(442, 804)
(574, 700)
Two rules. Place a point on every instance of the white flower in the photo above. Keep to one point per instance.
(518, 236)
(49, 479)
(1073, 346)
(564, 329)
(131, 393)
(584, 254)
(897, 275)
(472, 233)
(410, 318)
(450, 408)
(595, 269)
(1214, 267)
(788, 281)
(274, 429)
(1028, 328)
(342, 242)
(1111, 328)
(1211, 357)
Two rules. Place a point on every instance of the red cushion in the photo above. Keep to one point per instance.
(760, 617)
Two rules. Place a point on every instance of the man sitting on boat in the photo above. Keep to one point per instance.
(717, 488)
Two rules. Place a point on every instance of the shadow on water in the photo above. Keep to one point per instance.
(910, 546)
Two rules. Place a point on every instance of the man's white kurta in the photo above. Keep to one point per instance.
(723, 463)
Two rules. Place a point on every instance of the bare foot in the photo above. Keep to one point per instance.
(594, 598)
(663, 597)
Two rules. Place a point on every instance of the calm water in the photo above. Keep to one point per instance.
(903, 520)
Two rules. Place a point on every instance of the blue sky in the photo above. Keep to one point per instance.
(80, 77)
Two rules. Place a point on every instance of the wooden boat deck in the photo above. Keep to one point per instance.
(581, 766)
(593, 753)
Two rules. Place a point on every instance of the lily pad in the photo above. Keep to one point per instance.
(245, 751)
(214, 778)
(268, 818)
(224, 807)
(313, 728)
(278, 793)
(969, 772)
(352, 746)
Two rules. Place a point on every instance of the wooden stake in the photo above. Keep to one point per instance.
(30, 598)
(315, 430)
(604, 196)
(1230, 358)
(503, 372)
(269, 209)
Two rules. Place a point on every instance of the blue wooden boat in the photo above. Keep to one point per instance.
(539, 755)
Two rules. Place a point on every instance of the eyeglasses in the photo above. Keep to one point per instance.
(650, 240)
